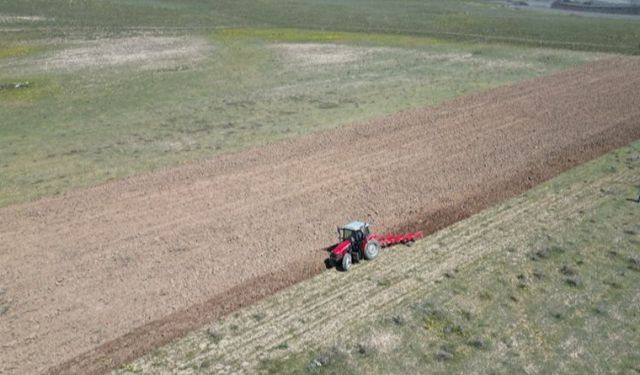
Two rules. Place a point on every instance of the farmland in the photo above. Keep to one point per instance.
(118, 88)
(243, 216)
(165, 165)
(543, 282)
(103, 109)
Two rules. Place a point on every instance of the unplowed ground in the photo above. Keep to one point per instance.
(99, 276)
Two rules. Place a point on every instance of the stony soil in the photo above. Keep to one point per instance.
(97, 277)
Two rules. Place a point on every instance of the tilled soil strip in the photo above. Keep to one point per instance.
(307, 315)
(100, 276)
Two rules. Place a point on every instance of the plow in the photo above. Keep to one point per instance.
(358, 243)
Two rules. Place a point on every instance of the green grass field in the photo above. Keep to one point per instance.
(116, 88)
(475, 20)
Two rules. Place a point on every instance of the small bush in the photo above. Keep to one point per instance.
(258, 316)
(456, 329)
(399, 320)
(573, 281)
(443, 355)
(478, 343)
(568, 271)
(538, 275)
(485, 295)
(214, 335)
(283, 346)
(522, 280)
(544, 252)
(364, 348)
(326, 358)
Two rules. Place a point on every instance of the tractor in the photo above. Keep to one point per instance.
(356, 242)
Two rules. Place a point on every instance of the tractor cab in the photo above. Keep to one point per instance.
(355, 243)
(356, 230)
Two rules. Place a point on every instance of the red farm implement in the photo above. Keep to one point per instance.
(357, 243)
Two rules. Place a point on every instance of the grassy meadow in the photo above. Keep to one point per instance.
(87, 117)
(108, 89)
(460, 19)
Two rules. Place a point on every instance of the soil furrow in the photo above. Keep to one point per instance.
(271, 332)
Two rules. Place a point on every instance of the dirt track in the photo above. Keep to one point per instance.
(101, 275)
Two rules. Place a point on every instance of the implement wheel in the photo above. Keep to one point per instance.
(372, 250)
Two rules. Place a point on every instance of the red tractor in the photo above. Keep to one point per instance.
(357, 243)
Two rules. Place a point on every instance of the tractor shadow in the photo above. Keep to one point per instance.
(327, 262)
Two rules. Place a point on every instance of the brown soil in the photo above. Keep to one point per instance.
(97, 277)
(304, 316)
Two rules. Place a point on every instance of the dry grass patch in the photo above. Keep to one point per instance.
(9, 18)
(143, 52)
(309, 54)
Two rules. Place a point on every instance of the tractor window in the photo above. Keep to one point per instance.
(346, 234)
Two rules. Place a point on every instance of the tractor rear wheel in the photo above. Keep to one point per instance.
(347, 261)
(372, 250)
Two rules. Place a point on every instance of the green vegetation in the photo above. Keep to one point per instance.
(15, 50)
(469, 19)
(288, 35)
(88, 124)
(564, 299)
(105, 102)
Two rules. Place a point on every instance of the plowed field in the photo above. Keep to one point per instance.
(449, 271)
(99, 276)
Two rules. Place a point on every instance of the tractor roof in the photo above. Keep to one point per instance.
(355, 225)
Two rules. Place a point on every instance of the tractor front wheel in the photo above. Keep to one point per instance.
(372, 249)
(346, 262)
